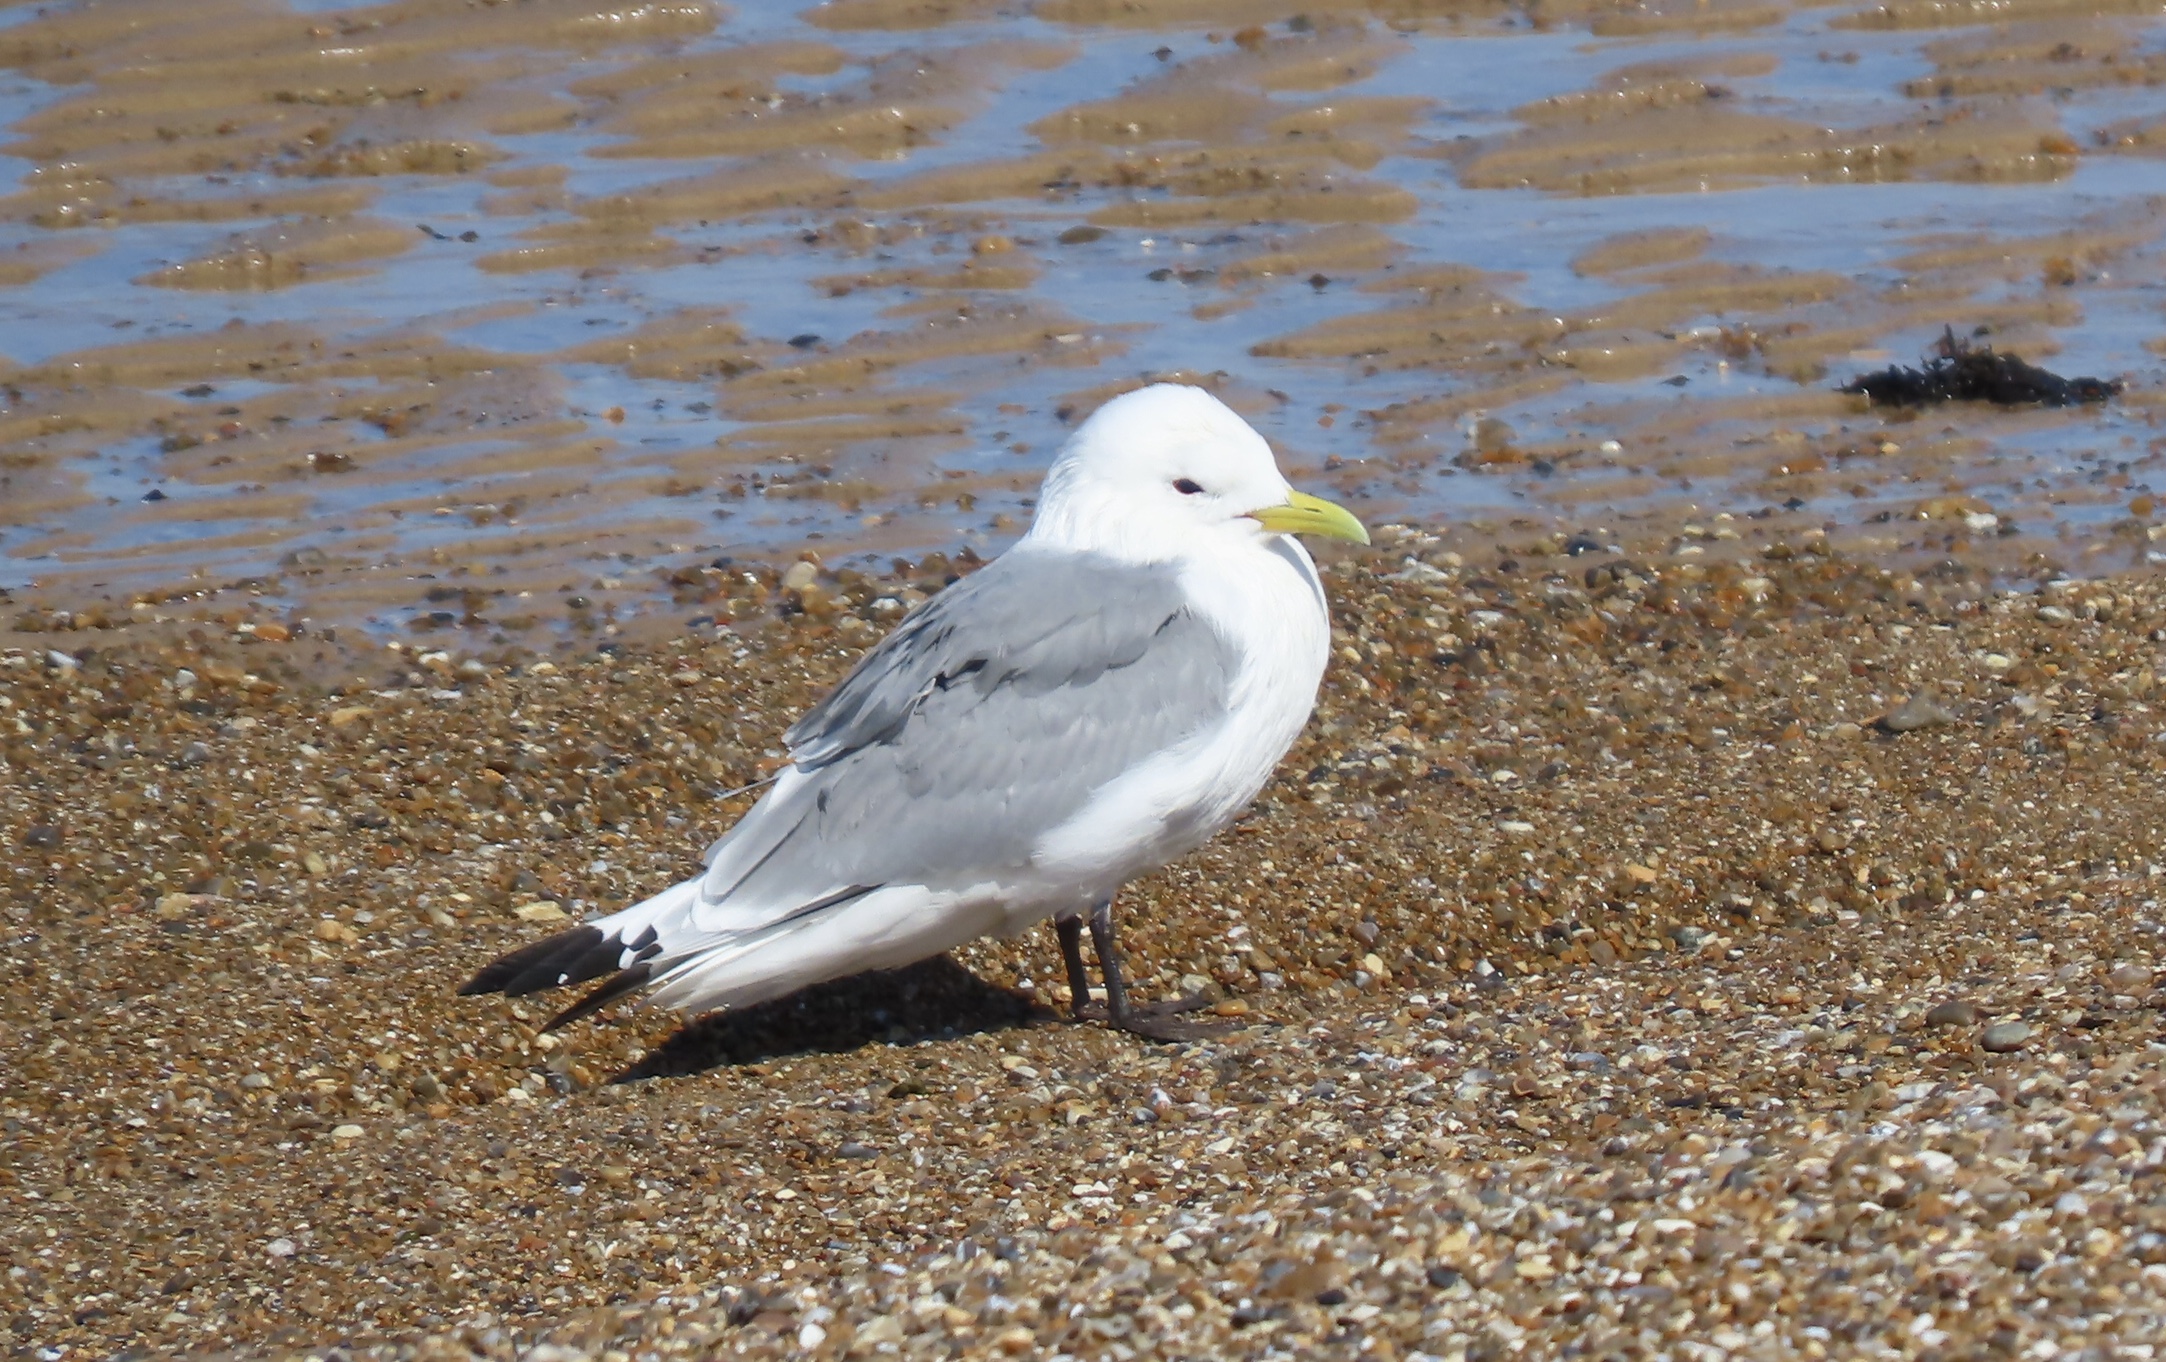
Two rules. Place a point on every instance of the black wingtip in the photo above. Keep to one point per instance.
(625, 981)
(572, 956)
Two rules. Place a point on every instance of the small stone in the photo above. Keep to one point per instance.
(2005, 1037)
(541, 910)
(1832, 840)
(1015, 1340)
(1641, 874)
(1922, 710)
(800, 576)
(2129, 977)
(172, 906)
(347, 715)
(1954, 1012)
(1442, 1277)
(346, 1132)
(281, 1247)
(314, 864)
(331, 929)
(2055, 614)
(853, 1149)
(256, 1082)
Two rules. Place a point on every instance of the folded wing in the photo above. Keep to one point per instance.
(987, 718)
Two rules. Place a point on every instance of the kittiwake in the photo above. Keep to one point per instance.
(1102, 698)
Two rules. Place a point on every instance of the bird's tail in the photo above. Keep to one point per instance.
(627, 946)
(657, 943)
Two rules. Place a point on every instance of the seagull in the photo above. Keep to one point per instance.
(1102, 698)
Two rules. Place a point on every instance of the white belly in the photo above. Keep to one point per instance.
(1271, 605)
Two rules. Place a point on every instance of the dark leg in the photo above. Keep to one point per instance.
(1070, 927)
(1109, 962)
(1152, 1022)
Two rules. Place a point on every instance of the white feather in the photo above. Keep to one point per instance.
(719, 946)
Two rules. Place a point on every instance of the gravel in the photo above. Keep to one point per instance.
(1693, 1068)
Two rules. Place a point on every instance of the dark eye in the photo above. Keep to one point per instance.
(1186, 487)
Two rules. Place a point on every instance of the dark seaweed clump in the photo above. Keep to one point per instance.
(1960, 372)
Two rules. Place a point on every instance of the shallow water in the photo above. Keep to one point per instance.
(557, 293)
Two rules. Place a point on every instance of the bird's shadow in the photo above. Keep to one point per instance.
(933, 999)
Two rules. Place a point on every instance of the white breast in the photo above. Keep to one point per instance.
(1270, 604)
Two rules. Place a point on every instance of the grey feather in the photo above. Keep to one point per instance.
(988, 718)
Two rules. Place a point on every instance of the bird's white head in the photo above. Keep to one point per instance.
(1161, 472)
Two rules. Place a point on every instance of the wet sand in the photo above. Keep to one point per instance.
(1717, 942)
(333, 305)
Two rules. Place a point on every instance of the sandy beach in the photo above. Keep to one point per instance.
(1713, 913)
(1704, 948)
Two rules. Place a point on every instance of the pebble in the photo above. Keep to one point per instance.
(1922, 710)
(541, 910)
(1954, 1012)
(2003, 1038)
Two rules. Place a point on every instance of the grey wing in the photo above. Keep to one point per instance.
(986, 719)
(1033, 620)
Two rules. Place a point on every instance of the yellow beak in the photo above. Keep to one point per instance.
(1301, 513)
